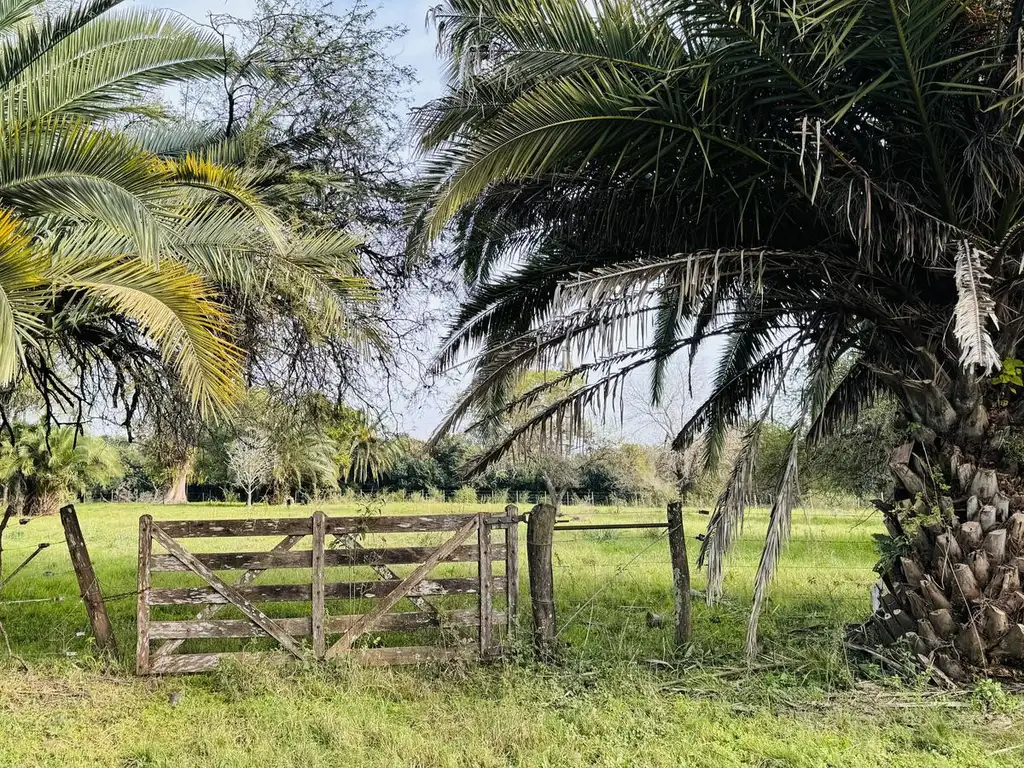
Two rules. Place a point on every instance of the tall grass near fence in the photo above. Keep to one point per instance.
(618, 697)
(606, 582)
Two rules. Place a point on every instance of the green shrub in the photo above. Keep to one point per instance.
(465, 495)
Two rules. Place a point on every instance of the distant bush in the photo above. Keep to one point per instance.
(465, 495)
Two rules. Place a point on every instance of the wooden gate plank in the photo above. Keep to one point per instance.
(403, 589)
(205, 662)
(165, 649)
(228, 592)
(319, 611)
(406, 621)
(191, 663)
(185, 529)
(347, 555)
(345, 590)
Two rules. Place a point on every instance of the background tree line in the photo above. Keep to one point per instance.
(308, 450)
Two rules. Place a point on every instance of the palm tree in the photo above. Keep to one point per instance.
(56, 465)
(116, 245)
(367, 454)
(83, 208)
(309, 285)
(139, 256)
(828, 185)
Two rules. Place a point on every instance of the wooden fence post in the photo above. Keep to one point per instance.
(540, 530)
(512, 571)
(142, 665)
(680, 571)
(88, 584)
(319, 613)
(484, 594)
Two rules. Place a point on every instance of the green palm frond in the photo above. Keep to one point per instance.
(22, 295)
(126, 248)
(63, 167)
(828, 179)
(13, 12)
(227, 185)
(117, 60)
(176, 309)
(32, 42)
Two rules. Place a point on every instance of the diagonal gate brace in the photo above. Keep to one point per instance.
(367, 620)
(350, 541)
(231, 594)
(248, 577)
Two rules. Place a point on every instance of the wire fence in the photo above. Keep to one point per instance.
(614, 589)
(608, 583)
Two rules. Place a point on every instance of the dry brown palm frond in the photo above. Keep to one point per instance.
(975, 309)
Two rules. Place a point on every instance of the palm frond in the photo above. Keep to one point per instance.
(975, 310)
(726, 522)
(779, 524)
(22, 294)
(177, 310)
(112, 62)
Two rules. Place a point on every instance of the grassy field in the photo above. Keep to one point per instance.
(619, 697)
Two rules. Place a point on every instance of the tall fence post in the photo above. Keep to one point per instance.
(540, 530)
(142, 665)
(486, 632)
(680, 572)
(88, 584)
(512, 571)
(319, 529)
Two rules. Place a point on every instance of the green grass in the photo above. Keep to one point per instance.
(620, 696)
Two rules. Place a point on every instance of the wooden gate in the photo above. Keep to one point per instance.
(325, 629)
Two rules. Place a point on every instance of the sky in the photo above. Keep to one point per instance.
(418, 412)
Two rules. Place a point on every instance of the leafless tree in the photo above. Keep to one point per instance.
(251, 460)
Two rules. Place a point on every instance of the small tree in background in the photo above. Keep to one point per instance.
(45, 469)
(369, 454)
(251, 462)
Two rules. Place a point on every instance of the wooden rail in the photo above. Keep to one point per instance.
(323, 586)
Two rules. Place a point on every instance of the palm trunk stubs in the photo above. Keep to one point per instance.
(39, 503)
(960, 575)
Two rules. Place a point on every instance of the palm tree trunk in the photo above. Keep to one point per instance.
(41, 502)
(954, 557)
